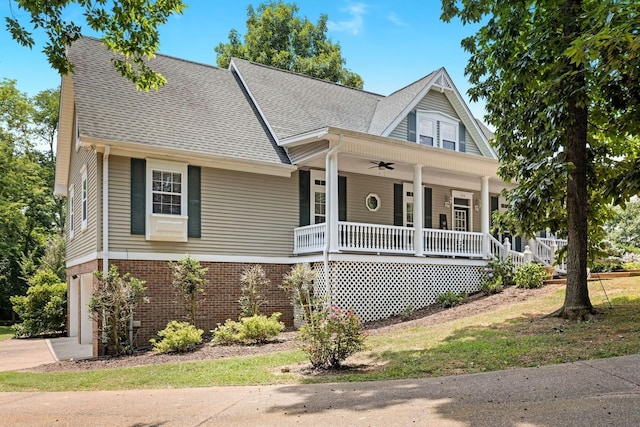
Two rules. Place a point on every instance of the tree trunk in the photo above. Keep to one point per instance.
(577, 304)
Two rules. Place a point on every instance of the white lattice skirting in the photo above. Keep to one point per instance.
(377, 290)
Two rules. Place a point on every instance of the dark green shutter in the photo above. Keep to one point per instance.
(428, 220)
(304, 191)
(397, 205)
(463, 138)
(411, 126)
(193, 203)
(494, 207)
(342, 198)
(138, 202)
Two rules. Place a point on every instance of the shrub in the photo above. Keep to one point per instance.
(450, 298)
(605, 265)
(530, 275)
(249, 330)
(331, 336)
(496, 275)
(112, 305)
(189, 281)
(252, 279)
(299, 284)
(177, 337)
(43, 310)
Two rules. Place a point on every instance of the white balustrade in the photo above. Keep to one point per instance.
(452, 243)
(360, 237)
(310, 238)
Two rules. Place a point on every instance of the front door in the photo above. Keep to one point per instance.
(407, 204)
(462, 213)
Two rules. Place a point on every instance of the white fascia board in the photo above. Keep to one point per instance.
(304, 138)
(64, 139)
(130, 149)
(232, 65)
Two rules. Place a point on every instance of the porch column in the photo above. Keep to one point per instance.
(332, 200)
(418, 209)
(485, 212)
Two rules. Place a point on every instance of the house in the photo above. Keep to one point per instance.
(388, 197)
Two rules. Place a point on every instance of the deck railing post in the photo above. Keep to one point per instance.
(528, 255)
(507, 248)
(552, 255)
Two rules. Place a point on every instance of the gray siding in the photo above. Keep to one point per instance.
(242, 214)
(84, 242)
(358, 187)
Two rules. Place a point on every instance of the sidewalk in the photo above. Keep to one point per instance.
(16, 354)
(603, 392)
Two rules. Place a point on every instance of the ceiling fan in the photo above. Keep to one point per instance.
(382, 165)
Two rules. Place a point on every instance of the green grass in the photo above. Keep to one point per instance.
(5, 333)
(511, 336)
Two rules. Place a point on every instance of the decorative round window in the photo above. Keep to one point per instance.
(372, 202)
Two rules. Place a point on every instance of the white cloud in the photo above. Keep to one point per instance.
(395, 19)
(355, 24)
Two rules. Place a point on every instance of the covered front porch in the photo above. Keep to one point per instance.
(389, 240)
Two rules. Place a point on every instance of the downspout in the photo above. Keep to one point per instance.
(105, 209)
(325, 252)
(105, 221)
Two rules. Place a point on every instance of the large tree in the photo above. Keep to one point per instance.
(558, 89)
(277, 37)
(28, 212)
(129, 28)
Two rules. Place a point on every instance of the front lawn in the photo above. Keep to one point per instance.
(511, 335)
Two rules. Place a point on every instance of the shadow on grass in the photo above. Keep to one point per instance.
(517, 343)
(505, 394)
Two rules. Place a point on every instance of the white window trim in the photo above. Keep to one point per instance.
(438, 117)
(166, 227)
(84, 198)
(407, 187)
(321, 176)
(456, 194)
(72, 215)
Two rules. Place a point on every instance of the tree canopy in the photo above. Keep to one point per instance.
(560, 80)
(29, 213)
(130, 31)
(277, 37)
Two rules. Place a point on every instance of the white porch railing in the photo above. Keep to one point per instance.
(360, 237)
(389, 239)
(310, 238)
(452, 243)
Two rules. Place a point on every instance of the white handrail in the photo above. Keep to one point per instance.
(360, 237)
(310, 238)
(452, 243)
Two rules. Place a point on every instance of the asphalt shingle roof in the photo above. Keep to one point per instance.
(390, 107)
(202, 108)
(294, 104)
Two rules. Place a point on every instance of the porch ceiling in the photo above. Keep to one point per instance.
(356, 152)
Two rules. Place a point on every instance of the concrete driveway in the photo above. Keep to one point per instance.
(17, 354)
(602, 392)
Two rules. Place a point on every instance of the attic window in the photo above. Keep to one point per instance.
(438, 130)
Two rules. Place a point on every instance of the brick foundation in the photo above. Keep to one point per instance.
(220, 298)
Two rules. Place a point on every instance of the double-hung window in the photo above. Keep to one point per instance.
(84, 198)
(438, 130)
(72, 214)
(166, 201)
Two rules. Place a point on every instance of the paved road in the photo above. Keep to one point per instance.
(593, 393)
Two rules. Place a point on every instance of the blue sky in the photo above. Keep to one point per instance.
(390, 44)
